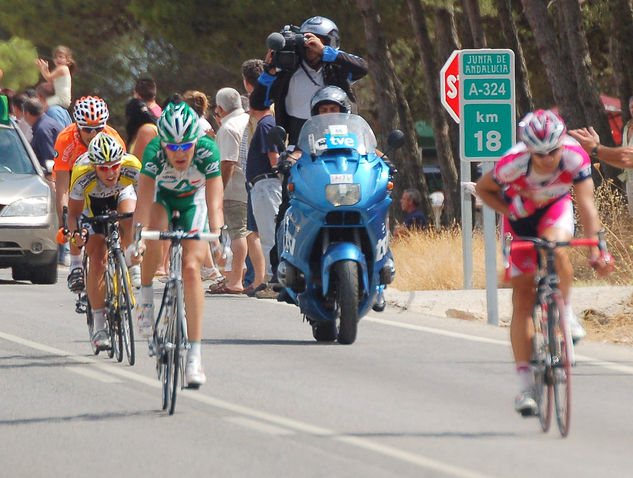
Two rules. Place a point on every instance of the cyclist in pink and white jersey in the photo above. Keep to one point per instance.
(531, 187)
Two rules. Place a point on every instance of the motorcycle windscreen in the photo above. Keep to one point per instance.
(334, 131)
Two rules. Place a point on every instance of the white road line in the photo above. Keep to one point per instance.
(473, 338)
(431, 330)
(259, 426)
(280, 421)
(102, 377)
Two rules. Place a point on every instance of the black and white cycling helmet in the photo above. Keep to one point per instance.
(323, 28)
(104, 149)
(330, 94)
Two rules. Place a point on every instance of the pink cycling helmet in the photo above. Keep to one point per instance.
(542, 131)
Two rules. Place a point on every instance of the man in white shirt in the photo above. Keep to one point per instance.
(229, 137)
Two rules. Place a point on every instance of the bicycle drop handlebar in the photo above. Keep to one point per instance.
(179, 235)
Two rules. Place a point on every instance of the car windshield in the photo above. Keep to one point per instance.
(332, 131)
(13, 155)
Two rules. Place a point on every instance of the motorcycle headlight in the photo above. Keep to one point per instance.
(27, 207)
(342, 194)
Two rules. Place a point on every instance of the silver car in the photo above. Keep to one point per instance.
(28, 221)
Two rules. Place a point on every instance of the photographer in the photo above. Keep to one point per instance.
(301, 63)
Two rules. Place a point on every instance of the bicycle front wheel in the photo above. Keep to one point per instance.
(560, 353)
(167, 346)
(179, 344)
(540, 367)
(125, 308)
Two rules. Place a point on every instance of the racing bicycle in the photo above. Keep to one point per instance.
(552, 346)
(169, 341)
(119, 300)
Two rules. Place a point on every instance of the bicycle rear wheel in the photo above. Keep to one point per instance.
(125, 309)
(540, 368)
(561, 363)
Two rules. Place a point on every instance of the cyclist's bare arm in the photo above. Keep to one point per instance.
(490, 194)
(620, 157)
(62, 185)
(145, 199)
(215, 198)
(75, 208)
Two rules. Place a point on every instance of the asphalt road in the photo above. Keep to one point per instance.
(414, 396)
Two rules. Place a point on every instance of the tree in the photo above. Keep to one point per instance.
(17, 62)
(511, 37)
(450, 180)
(392, 108)
(559, 74)
(475, 26)
(622, 50)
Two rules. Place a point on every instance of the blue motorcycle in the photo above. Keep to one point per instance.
(333, 243)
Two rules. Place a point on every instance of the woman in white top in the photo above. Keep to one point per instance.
(60, 76)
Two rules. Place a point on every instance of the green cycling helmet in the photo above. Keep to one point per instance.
(178, 124)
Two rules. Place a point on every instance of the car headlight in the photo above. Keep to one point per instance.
(27, 207)
(342, 194)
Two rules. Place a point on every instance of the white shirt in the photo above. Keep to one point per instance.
(301, 90)
(229, 138)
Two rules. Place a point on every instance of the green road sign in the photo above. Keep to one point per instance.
(487, 104)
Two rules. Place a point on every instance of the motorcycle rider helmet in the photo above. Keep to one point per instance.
(330, 94)
(91, 111)
(324, 28)
(178, 124)
(542, 131)
(104, 149)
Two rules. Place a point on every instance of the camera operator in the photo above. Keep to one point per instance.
(292, 84)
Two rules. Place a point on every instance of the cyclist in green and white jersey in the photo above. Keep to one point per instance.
(181, 172)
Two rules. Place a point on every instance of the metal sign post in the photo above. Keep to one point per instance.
(487, 129)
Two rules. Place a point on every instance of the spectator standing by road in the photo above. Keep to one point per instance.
(60, 76)
(234, 121)
(46, 90)
(264, 183)
(45, 132)
(145, 90)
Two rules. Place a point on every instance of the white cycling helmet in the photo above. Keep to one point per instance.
(542, 131)
(91, 111)
(104, 149)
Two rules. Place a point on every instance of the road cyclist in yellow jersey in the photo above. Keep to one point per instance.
(103, 180)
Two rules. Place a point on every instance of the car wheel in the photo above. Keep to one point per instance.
(45, 274)
(20, 272)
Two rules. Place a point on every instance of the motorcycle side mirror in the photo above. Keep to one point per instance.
(277, 136)
(395, 140)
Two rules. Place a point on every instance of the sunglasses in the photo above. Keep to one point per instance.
(549, 153)
(180, 147)
(105, 167)
(91, 129)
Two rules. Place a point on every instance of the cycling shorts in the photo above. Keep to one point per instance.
(192, 208)
(559, 214)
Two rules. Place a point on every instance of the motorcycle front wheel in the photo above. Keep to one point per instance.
(346, 282)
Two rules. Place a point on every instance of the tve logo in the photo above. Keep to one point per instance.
(338, 142)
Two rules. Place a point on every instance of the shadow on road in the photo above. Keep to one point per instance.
(263, 342)
(86, 417)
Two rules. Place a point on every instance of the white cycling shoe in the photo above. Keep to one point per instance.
(145, 320)
(525, 404)
(101, 339)
(576, 329)
(194, 374)
(135, 275)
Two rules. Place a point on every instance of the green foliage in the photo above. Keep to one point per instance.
(17, 57)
